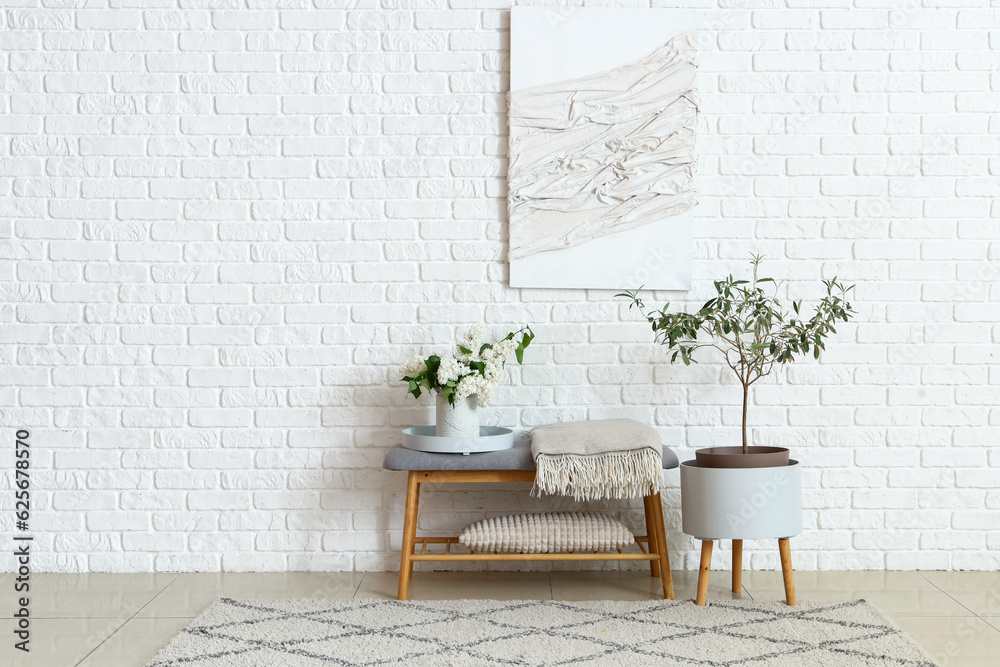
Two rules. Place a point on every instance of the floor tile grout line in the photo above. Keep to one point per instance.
(127, 620)
(357, 589)
(161, 591)
(952, 597)
(103, 641)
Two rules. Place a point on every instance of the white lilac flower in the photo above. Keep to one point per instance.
(472, 340)
(449, 370)
(412, 367)
(505, 348)
(469, 382)
(469, 385)
(494, 370)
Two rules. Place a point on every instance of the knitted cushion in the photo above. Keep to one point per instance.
(546, 533)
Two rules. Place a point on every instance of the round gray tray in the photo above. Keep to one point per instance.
(424, 439)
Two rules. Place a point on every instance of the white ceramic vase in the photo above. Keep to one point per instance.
(460, 420)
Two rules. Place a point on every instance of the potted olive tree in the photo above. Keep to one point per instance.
(745, 492)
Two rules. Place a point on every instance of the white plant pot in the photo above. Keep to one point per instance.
(741, 503)
(460, 420)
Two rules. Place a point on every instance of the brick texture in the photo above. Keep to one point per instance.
(221, 230)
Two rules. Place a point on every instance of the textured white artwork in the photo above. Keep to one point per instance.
(602, 147)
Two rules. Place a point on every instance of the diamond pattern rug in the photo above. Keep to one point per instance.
(459, 633)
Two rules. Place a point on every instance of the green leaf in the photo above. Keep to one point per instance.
(744, 319)
(432, 363)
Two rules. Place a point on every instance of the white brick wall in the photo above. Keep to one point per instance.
(221, 228)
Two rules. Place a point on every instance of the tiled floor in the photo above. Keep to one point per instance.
(112, 620)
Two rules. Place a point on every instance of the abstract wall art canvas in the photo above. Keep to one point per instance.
(602, 159)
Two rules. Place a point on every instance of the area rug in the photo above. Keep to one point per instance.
(459, 633)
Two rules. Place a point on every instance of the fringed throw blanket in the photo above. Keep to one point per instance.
(597, 460)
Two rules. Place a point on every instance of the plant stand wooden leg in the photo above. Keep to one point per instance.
(653, 544)
(706, 565)
(666, 575)
(785, 550)
(409, 534)
(737, 566)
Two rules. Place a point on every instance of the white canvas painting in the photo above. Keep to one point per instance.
(602, 147)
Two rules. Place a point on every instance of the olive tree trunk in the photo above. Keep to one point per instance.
(746, 395)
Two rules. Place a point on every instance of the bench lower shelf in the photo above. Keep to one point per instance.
(652, 547)
(642, 541)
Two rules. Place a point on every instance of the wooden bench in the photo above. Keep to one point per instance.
(505, 466)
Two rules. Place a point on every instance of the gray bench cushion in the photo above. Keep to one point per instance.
(515, 458)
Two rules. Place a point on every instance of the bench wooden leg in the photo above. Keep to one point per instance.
(706, 566)
(785, 550)
(737, 566)
(665, 574)
(409, 533)
(653, 544)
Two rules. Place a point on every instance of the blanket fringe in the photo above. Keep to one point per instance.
(615, 475)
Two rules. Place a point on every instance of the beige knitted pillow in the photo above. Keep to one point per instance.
(546, 533)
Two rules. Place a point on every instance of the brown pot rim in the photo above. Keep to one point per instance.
(753, 450)
(693, 463)
(733, 457)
